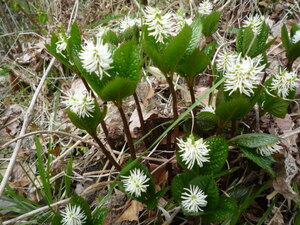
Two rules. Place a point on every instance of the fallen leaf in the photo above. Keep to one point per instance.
(131, 213)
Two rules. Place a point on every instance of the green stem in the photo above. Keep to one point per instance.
(126, 129)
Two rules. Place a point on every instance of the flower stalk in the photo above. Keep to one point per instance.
(126, 129)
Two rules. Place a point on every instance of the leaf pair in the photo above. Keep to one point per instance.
(292, 49)
(250, 44)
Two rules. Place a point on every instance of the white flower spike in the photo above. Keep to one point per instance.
(126, 23)
(208, 108)
(72, 215)
(268, 150)
(254, 22)
(284, 82)
(135, 183)
(205, 7)
(243, 75)
(296, 37)
(160, 26)
(80, 103)
(193, 199)
(61, 44)
(193, 152)
(96, 58)
(225, 60)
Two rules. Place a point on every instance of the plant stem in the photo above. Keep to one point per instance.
(106, 152)
(175, 112)
(103, 124)
(289, 65)
(126, 129)
(190, 84)
(140, 114)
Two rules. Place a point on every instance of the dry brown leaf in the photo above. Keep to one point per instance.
(131, 213)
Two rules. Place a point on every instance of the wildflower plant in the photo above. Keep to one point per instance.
(110, 64)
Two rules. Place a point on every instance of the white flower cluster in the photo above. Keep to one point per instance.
(205, 7)
(225, 60)
(80, 103)
(135, 183)
(284, 82)
(254, 22)
(61, 44)
(127, 22)
(160, 25)
(193, 199)
(242, 74)
(208, 108)
(296, 37)
(268, 150)
(96, 57)
(193, 152)
(72, 215)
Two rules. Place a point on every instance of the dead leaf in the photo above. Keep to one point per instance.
(131, 213)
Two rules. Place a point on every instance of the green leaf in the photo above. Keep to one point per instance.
(177, 47)
(285, 38)
(205, 183)
(74, 42)
(117, 89)
(79, 201)
(248, 41)
(234, 109)
(206, 121)
(195, 38)
(264, 162)
(225, 209)
(194, 64)
(98, 216)
(57, 219)
(239, 40)
(254, 140)
(152, 51)
(210, 23)
(210, 48)
(262, 37)
(52, 50)
(110, 37)
(276, 106)
(218, 154)
(91, 123)
(130, 33)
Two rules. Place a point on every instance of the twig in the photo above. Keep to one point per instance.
(106, 152)
(36, 211)
(42, 132)
(27, 119)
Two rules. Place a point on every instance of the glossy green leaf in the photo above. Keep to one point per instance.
(177, 47)
(195, 37)
(285, 37)
(239, 40)
(264, 162)
(110, 37)
(254, 140)
(206, 121)
(225, 209)
(210, 23)
(74, 42)
(194, 64)
(234, 109)
(117, 89)
(91, 123)
(217, 156)
(248, 41)
(210, 48)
